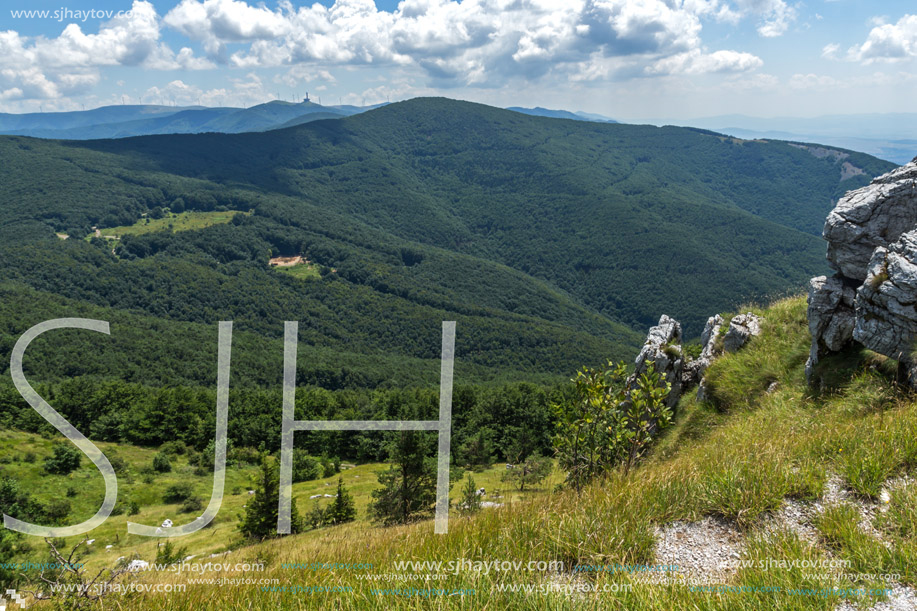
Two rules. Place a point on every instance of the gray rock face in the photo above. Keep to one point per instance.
(694, 370)
(886, 318)
(708, 337)
(663, 347)
(741, 329)
(867, 218)
(831, 317)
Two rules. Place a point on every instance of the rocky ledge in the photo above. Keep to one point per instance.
(872, 243)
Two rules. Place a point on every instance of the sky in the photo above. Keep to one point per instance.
(627, 59)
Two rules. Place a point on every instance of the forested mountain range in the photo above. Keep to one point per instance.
(553, 243)
(143, 120)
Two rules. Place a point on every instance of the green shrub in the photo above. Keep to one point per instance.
(58, 510)
(167, 553)
(176, 493)
(192, 505)
(161, 463)
(604, 425)
(173, 448)
(305, 467)
(64, 460)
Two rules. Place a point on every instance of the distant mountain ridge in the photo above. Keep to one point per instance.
(561, 114)
(143, 120)
(891, 136)
(126, 121)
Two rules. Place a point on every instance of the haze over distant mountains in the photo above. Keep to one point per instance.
(891, 136)
(561, 114)
(142, 120)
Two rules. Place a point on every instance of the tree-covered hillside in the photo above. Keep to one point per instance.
(552, 242)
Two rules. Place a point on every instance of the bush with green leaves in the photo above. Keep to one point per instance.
(161, 463)
(330, 466)
(64, 460)
(58, 510)
(168, 554)
(173, 448)
(316, 516)
(14, 501)
(305, 467)
(605, 424)
(178, 492)
(192, 504)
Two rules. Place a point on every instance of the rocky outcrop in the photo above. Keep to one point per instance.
(867, 218)
(872, 243)
(741, 328)
(694, 370)
(831, 317)
(663, 348)
(708, 337)
(886, 318)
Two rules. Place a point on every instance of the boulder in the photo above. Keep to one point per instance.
(662, 347)
(886, 317)
(871, 217)
(741, 328)
(831, 317)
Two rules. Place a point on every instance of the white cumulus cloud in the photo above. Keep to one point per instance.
(472, 42)
(46, 68)
(888, 42)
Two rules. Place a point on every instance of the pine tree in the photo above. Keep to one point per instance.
(471, 502)
(260, 519)
(343, 508)
(409, 484)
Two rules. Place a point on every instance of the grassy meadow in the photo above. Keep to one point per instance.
(171, 221)
(762, 441)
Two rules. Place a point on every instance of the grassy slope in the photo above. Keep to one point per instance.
(89, 489)
(738, 462)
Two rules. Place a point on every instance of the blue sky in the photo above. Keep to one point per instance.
(629, 59)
